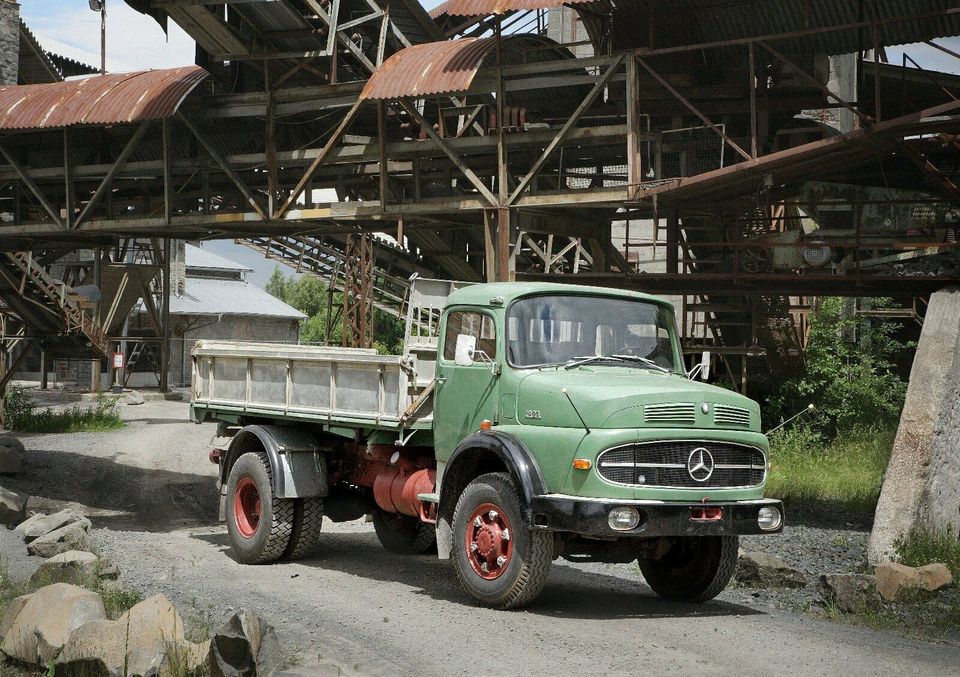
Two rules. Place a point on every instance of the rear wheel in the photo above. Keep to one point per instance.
(695, 569)
(307, 522)
(402, 534)
(498, 559)
(258, 523)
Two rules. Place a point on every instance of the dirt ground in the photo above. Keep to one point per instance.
(150, 492)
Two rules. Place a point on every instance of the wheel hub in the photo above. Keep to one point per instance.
(488, 544)
(246, 507)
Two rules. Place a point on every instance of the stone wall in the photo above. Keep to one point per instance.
(9, 42)
(922, 484)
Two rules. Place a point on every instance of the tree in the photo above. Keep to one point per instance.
(308, 294)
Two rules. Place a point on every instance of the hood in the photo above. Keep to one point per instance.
(628, 397)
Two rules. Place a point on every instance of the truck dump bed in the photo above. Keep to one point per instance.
(327, 384)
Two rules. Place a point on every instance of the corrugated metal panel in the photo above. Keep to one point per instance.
(450, 66)
(99, 100)
(718, 20)
(486, 7)
(431, 68)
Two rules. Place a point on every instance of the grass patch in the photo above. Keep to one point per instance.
(928, 545)
(847, 471)
(19, 415)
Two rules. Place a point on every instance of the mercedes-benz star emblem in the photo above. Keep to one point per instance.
(700, 464)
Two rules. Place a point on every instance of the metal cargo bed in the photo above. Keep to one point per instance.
(322, 383)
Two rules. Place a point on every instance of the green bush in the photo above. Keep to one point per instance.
(846, 471)
(928, 545)
(849, 374)
(20, 416)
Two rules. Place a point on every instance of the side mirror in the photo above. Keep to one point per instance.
(466, 346)
(705, 365)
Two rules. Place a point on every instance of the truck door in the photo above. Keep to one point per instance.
(465, 395)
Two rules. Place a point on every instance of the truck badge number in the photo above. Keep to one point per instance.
(533, 413)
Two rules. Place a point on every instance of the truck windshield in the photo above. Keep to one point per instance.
(556, 330)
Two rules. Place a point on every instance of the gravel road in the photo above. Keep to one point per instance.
(150, 492)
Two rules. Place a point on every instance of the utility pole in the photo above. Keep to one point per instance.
(101, 6)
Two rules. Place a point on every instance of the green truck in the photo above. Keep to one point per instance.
(524, 422)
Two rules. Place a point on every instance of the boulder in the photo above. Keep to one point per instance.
(13, 507)
(896, 582)
(132, 397)
(11, 450)
(765, 571)
(40, 525)
(39, 624)
(71, 537)
(245, 645)
(76, 567)
(146, 640)
(850, 593)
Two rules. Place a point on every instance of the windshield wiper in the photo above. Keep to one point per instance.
(577, 361)
(643, 360)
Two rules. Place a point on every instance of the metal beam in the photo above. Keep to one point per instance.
(105, 184)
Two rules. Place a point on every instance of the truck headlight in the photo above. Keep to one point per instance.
(623, 518)
(769, 518)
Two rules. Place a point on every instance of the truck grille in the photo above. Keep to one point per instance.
(725, 415)
(682, 413)
(683, 464)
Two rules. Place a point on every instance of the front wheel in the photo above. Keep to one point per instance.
(498, 559)
(695, 569)
(258, 523)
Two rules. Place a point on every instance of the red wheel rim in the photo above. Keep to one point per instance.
(489, 541)
(246, 507)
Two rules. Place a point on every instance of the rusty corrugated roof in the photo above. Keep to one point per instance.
(485, 7)
(431, 68)
(98, 100)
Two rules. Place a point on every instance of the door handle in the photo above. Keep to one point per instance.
(440, 380)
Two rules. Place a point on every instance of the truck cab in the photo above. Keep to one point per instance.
(533, 421)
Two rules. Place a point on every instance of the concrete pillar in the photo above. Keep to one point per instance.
(922, 484)
(9, 42)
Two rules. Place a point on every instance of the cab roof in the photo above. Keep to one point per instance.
(480, 294)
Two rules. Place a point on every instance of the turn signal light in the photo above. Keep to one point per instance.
(581, 464)
(486, 425)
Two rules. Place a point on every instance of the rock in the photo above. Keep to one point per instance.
(11, 450)
(146, 640)
(935, 576)
(40, 525)
(71, 537)
(132, 397)
(76, 567)
(895, 582)
(13, 507)
(850, 593)
(766, 571)
(245, 645)
(39, 624)
(921, 487)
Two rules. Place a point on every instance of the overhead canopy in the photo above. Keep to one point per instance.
(98, 100)
(485, 7)
(451, 66)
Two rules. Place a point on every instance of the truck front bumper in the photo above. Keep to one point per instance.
(590, 517)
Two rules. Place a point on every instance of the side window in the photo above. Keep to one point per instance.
(473, 324)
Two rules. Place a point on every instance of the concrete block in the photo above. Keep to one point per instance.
(922, 485)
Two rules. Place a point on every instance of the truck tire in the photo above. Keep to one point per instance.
(499, 560)
(258, 523)
(695, 569)
(307, 522)
(402, 534)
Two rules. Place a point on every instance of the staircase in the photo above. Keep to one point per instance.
(50, 308)
(326, 256)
